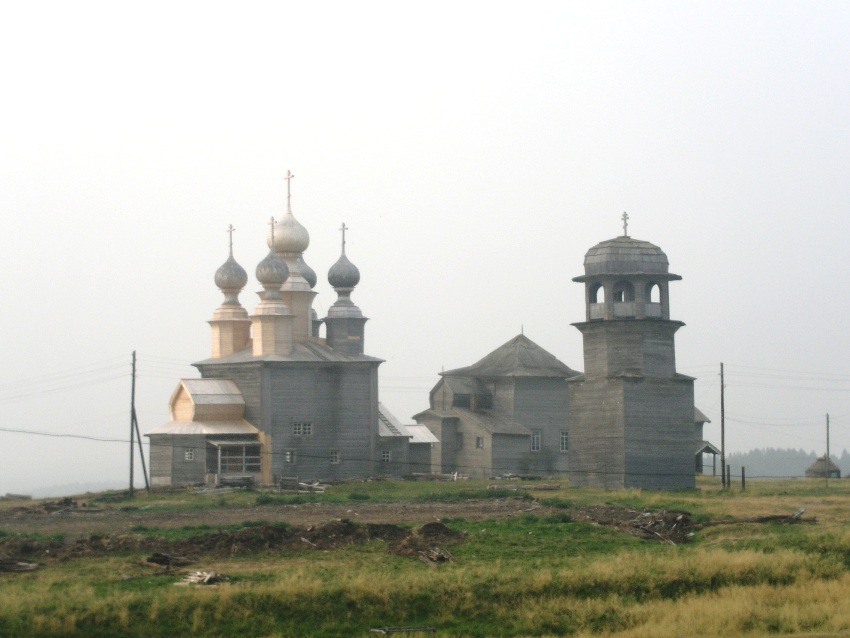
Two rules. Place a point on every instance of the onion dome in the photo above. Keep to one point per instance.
(625, 256)
(308, 273)
(343, 274)
(288, 235)
(272, 271)
(230, 275)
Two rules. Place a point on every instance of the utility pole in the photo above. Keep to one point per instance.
(723, 429)
(132, 419)
(827, 449)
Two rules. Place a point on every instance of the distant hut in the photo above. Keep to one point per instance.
(823, 468)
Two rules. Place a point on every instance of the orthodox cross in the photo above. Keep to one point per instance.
(271, 223)
(343, 228)
(288, 179)
(625, 224)
(230, 230)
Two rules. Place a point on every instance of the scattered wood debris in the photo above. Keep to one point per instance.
(435, 557)
(543, 487)
(203, 578)
(16, 565)
(161, 559)
(403, 630)
(782, 519)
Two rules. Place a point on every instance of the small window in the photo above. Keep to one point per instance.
(565, 441)
(302, 428)
(335, 456)
(462, 401)
(536, 439)
(189, 454)
(289, 456)
(385, 456)
(479, 442)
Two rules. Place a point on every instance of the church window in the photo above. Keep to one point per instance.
(302, 428)
(653, 293)
(479, 442)
(624, 291)
(237, 459)
(385, 456)
(596, 294)
(565, 441)
(335, 456)
(289, 456)
(536, 440)
(189, 454)
(462, 401)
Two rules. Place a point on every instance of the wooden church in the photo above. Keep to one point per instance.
(277, 400)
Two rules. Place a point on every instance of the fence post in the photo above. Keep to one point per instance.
(743, 478)
(728, 476)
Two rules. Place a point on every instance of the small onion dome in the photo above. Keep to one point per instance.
(289, 235)
(343, 274)
(230, 275)
(623, 256)
(308, 273)
(272, 270)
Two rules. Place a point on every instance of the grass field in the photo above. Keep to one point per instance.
(539, 573)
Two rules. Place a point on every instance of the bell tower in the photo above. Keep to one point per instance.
(631, 413)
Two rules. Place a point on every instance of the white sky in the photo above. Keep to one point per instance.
(475, 150)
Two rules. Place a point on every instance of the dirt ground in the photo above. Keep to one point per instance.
(73, 520)
(95, 529)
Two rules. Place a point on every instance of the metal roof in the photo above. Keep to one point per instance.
(213, 391)
(421, 434)
(699, 417)
(205, 427)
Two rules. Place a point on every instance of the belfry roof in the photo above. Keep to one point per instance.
(519, 357)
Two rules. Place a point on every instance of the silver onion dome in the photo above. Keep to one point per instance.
(343, 274)
(230, 275)
(272, 271)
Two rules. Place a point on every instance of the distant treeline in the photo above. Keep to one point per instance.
(777, 462)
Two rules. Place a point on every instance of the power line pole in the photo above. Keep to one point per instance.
(827, 449)
(132, 419)
(722, 429)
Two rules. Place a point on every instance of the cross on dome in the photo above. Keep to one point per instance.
(343, 228)
(288, 179)
(230, 230)
(625, 219)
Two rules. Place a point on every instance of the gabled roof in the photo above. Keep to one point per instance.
(519, 357)
(699, 417)
(486, 419)
(389, 425)
(707, 448)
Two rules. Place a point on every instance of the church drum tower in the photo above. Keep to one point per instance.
(631, 413)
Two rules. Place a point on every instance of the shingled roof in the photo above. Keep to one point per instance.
(519, 357)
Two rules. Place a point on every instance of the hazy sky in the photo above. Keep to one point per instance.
(476, 151)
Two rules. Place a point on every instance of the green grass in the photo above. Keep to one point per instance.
(536, 574)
